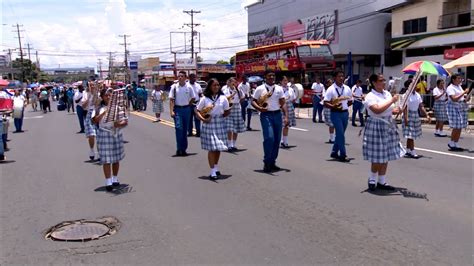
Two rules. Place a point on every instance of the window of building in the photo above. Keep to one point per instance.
(414, 26)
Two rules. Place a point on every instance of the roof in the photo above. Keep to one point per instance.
(284, 44)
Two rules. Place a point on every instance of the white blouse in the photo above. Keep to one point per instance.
(454, 90)
(414, 101)
(375, 97)
(220, 105)
(437, 91)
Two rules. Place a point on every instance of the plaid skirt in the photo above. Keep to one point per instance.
(440, 111)
(327, 117)
(90, 127)
(291, 114)
(110, 146)
(381, 141)
(214, 134)
(457, 114)
(158, 106)
(234, 122)
(413, 129)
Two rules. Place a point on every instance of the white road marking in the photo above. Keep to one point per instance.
(446, 153)
(34, 117)
(299, 129)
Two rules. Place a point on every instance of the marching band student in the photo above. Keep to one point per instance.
(290, 98)
(412, 123)
(327, 115)
(358, 95)
(339, 114)
(234, 122)
(457, 110)
(197, 94)
(110, 145)
(439, 107)
(270, 118)
(213, 130)
(89, 105)
(244, 87)
(181, 95)
(157, 102)
(317, 90)
(381, 139)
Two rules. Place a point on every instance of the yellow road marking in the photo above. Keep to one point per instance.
(152, 118)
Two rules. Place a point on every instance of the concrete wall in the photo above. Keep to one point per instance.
(431, 9)
(358, 30)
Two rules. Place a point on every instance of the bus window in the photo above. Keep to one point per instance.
(287, 53)
(321, 51)
(270, 55)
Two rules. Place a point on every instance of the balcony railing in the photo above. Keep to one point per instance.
(454, 20)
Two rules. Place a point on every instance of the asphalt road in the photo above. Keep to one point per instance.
(315, 212)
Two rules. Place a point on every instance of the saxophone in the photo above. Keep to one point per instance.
(206, 111)
(230, 97)
(262, 101)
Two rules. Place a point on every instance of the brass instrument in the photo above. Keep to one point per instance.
(262, 101)
(164, 96)
(336, 102)
(206, 111)
(231, 97)
(116, 109)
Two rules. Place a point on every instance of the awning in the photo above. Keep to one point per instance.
(465, 61)
(434, 39)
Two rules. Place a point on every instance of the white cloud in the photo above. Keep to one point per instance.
(90, 35)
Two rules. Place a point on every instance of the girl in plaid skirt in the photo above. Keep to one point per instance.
(290, 98)
(457, 110)
(90, 127)
(412, 122)
(381, 140)
(109, 145)
(327, 115)
(211, 109)
(157, 102)
(439, 107)
(234, 122)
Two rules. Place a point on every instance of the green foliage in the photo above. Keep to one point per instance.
(222, 62)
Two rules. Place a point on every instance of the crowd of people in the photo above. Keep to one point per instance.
(219, 114)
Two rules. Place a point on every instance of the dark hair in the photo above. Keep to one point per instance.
(80, 87)
(337, 72)
(284, 77)
(208, 90)
(454, 76)
(359, 81)
(373, 78)
(192, 75)
(182, 72)
(269, 72)
(439, 82)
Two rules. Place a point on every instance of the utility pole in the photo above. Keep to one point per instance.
(192, 25)
(21, 51)
(127, 78)
(29, 48)
(100, 68)
(37, 61)
(111, 61)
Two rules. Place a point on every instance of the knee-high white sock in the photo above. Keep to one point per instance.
(382, 179)
(372, 176)
(108, 181)
(216, 167)
(285, 139)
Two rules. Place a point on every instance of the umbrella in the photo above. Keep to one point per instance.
(4, 82)
(465, 61)
(426, 68)
(255, 79)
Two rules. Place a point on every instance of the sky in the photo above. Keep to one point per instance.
(77, 33)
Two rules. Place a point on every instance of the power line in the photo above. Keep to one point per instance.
(192, 25)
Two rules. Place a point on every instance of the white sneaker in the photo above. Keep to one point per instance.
(442, 134)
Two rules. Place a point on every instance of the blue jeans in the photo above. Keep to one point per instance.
(2, 149)
(18, 123)
(357, 108)
(317, 108)
(80, 116)
(340, 121)
(181, 123)
(197, 122)
(271, 122)
(244, 105)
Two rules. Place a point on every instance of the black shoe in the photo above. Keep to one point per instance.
(179, 153)
(344, 159)
(190, 135)
(314, 121)
(334, 156)
(331, 142)
(284, 146)
(80, 132)
(385, 187)
(91, 158)
(321, 121)
(116, 184)
(362, 125)
(354, 125)
(249, 129)
(218, 173)
(213, 178)
(2, 157)
(371, 185)
(267, 168)
(274, 167)
(184, 153)
(198, 135)
(109, 188)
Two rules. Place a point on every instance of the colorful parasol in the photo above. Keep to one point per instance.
(425, 68)
(4, 82)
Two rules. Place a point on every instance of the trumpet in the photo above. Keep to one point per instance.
(206, 111)
(337, 101)
(262, 101)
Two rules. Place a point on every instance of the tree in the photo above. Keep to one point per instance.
(29, 69)
(222, 62)
(232, 60)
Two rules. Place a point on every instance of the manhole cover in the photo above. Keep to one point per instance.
(83, 230)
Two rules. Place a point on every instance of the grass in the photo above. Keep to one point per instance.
(471, 114)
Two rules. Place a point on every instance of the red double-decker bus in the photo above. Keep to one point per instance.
(301, 60)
